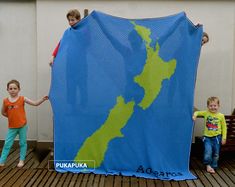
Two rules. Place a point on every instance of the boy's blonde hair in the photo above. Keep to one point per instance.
(215, 99)
(16, 82)
(74, 13)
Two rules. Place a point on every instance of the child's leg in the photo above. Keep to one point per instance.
(216, 151)
(11, 134)
(23, 142)
(207, 151)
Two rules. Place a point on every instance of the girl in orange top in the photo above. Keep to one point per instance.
(13, 109)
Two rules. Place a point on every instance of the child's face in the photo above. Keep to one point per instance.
(72, 20)
(204, 40)
(13, 90)
(213, 107)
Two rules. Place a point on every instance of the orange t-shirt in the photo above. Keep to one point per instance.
(15, 112)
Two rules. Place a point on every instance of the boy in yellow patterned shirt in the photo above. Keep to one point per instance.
(215, 133)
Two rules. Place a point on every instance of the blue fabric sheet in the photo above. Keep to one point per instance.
(122, 94)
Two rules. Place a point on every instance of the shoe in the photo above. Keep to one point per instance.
(2, 164)
(20, 164)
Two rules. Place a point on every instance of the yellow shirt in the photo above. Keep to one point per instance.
(215, 124)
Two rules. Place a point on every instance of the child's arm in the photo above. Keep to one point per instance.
(198, 113)
(195, 114)
(3, 111)
(35, 103)
(54, 54)
(224, 130)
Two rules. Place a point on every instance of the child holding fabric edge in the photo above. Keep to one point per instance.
(215, 133)
(13, 109)
(73, 17)
(205, 38)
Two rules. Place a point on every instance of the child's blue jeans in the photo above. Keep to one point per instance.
(10, 137)
(211, 150)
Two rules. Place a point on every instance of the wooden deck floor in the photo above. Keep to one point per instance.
(36, 173)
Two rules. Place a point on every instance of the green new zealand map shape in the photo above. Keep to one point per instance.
(150, 79)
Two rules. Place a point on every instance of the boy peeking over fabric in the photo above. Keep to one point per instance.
(73, 17)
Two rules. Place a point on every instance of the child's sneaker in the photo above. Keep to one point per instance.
(20, 164)
(2, 164)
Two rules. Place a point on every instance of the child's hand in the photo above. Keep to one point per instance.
(45, 98)
(51, 61)
(194, 117)
(223, 142)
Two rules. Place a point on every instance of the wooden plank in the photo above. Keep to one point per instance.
(225, 177)
(219, 180)
(22, 178)
(227, 170)
(142, 182)
(231, 164)
(79, 179)
(175, 183)
(109, 181)
(125, 181)
(117, 181)
(91, 179)
(62, 180)
(102, 179)
(134, 182)
(73, 180)
(84, 180)
(28, 178)
(34, 178)
(96, 181)
(50, 179)
(166, 183)
(1, 169)
(15, 177)
(190, 183)
(8, 177)
(4, 172)
(68, 179)
(159, 182)
(56, 180)
(183, 184)
(40, 177)
(45, 178)
(35, 164)
(150, 183)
